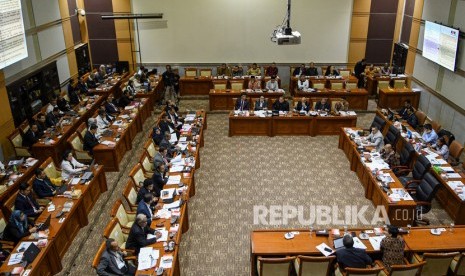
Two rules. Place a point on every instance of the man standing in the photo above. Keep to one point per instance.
(168, 81)
(359, 72)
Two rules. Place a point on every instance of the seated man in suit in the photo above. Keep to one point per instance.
(223, 70)
(175, 119)
(302, 105)
(90, 140)
(166, 125)
(403, 111)
(272, 84)
(375, 139)
(312, 70)
(72, 93)
(162, 157)
(91, 83)
(53, 118)
(271, 71)
(412, 119)
(112, 261)
(171, 105)
(299, 70)
(41, 122)
(281, 104)
(144, 207)
(52, 105)
(242, 104)
(236, 71)
(137, 237)
(110, 106)
(63, 104)
(32, 136)
(26, 203)
(165, 143)
(42, 185)
(302, 83)
(102, 120)
(349, 256)
(323, 105)
(261, 104)
(82, 87)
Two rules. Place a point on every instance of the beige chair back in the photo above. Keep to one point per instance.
(237, 84)
(190, 72)
(81, 130)
(16, 141)
(51, 171)
(130, 194)
(351, 85)
(137, 175)
(455, 150)
(421, 116)
(334, 101)
(126, 219)
(220, 84)
(383, 84)
(399, 83)
(76, 143)
(274, 266)
(205, 72)
(2, 223)
(364, 271)
(437, 263)
(336, 85)
(313, 266)
(458, 265)
(150, 148)
(344, 73)
(101, 250)
(24, 127)
(436, 126)
(114, 231)
(318, 85)
(147, 165)
(407, 270)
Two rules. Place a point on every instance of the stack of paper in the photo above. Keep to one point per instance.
(376, 241)
(109, 143)
(174, 179)
(170, 206)
(358, 243)
(166, 262)
(325, 249)
(147, 258)
(176, 168)
(453, 175)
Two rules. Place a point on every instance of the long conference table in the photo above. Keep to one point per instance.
(326, 81)
(400, 213)
(446, 195)
(418, 240)
(395, 97)
(289, 124)
(61, 234)
(224, 99)
(356, 97)
(372, 81)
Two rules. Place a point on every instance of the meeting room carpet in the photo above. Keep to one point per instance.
(237, 174)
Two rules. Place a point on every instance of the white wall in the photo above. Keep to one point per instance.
(451, 85)
(213, 31)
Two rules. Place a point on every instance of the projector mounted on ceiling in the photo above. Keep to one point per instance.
(283, 35)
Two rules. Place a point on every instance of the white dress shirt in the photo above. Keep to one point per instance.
(70, 168)
(102, 122)
(302, 85)
(273, 86)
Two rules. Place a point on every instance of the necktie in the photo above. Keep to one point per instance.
(30, 203)
(242, 105)
(72, 165)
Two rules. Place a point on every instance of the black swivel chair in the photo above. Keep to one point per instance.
(392, 136)
(379, 122)
(421, 166)
(423, 193)
(405, 157)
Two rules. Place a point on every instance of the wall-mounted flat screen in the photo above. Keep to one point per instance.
(13, 45)
(440, 44)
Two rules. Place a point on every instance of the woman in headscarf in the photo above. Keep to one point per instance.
(17, 228)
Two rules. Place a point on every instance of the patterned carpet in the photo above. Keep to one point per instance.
(236, 174)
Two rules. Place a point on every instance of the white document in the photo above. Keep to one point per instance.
(169, 206)
(358, 243)
(163, 213)
(455, 184)
(322, 247)
(108, 143)
(147, 258)
(447, 169)
(15, 258)
(177, 159)
(186, 128)
(453, 175)
(174, 138)
(376, 241)
(164, 234)
(173, 179)
(124, 116)
(23, 246)
(75, 180)
(183, 139)
(166, 261)
(436, 161)
(182, 146)
(176, 169)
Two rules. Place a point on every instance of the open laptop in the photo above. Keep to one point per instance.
(338, 243)
(44, 225)
(31, 253)
(61, 189)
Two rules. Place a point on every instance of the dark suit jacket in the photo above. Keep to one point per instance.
(312, 71)
(89, 142)
(73, 97)
(124, 101)
(42, 189)
(165, 126)
(111, 108)
(412, 120)
(261, 106)
(352, 257)
(284, 106)
(42, 127)
(22, 204)
(334, 73)
(299, 106)
(137, 238)
(12, 233)
(320, 106)
(108, 266)
(91, 83)
(242, 106)
(297, 71)
(51, 120)
(63, 105)
(158, 182)
(143, 209)
(30, 138)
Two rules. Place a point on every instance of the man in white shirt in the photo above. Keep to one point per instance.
(375, 139)
(302, 84)
(102, 122)
(51, 106)
(272, 84)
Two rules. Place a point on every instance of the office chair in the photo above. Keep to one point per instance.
(421, 166)
(423, 193)
(392, 136)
